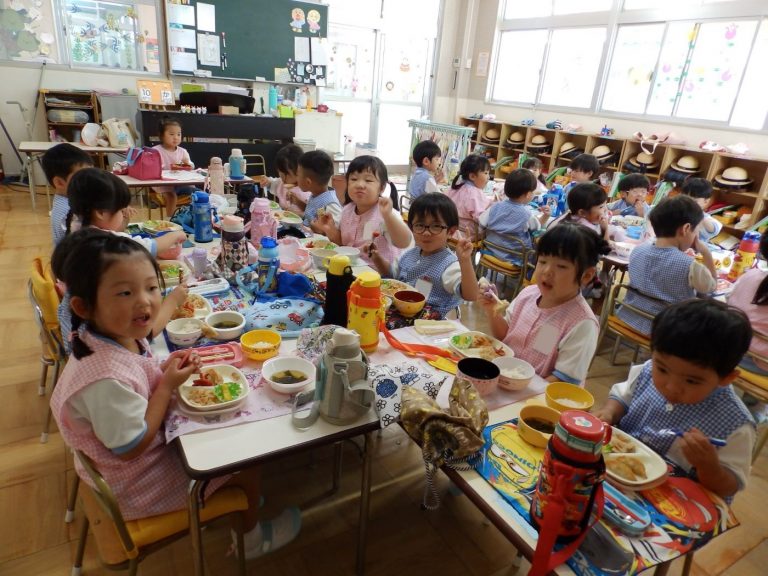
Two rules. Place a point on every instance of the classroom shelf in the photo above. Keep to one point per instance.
(752, 201)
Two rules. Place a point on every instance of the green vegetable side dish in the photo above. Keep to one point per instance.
(227, 391)
(462, 341)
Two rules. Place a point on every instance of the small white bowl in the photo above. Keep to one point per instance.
(525, 370)
(320, 257)
(275, 365)
(184, 331)
(226, 316)
(350, 251)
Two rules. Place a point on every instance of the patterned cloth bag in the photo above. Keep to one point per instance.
(452, 438)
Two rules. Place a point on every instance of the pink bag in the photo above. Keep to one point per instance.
(144, 164)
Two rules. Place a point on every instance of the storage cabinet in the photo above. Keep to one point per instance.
(751, 198)
(67, 111)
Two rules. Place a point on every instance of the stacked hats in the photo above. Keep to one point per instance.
(681, 168)
(555, 125)
(734, 177)
(603, 154)
(516, 140)
(641, 163)
(539, 145)
(569, 150)
(491, 135)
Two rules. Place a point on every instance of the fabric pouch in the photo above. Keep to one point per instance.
(288, 316)
(452, 438)
(390, 381)
(144, 164)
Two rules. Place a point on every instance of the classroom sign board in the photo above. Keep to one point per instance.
(155, 92)
(274, 40)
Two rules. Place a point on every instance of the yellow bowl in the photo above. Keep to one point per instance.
(563, 396)
(260, 344)
(533, 415)
(409, 302)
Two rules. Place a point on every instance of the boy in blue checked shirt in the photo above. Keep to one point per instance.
(680, 402)
(427, 157)
(314, 173)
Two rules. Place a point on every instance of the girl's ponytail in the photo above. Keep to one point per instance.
(455, 185)
(393, 195)
(79, 348)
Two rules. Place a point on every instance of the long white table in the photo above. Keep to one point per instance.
(172, 178)
(35, 149)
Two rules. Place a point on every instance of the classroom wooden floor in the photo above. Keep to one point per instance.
(403, 539)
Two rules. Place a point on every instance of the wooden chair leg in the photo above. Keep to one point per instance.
(78, 565)
(41, 387)
(133, 567)
(762, 436)
(615, 350)
(687, 564)
(241, 550)
(634, 356)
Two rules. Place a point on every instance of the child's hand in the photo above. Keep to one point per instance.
(378, 260)
(385, 205)
(699, 450)
(129, 213)
(464, 249)
(262, 180)
(325, 221)
(178, 295)
(605, 220)
(179, 367)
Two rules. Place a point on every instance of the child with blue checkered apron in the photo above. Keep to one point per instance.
(680, 402)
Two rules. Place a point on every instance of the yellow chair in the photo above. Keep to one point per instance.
(124, 544)
(45, 301)
(405, 206)
(489, 263)
(756, 385)
(620, 329)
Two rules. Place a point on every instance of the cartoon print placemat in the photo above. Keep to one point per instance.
(684, 515)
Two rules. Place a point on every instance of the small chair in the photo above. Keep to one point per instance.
(405, 206)
(620, 329)
(45, 301)
(124, 544)
(755, 385)
(256, 161)
(489, 263)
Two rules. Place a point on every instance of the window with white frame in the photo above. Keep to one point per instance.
(112, 34)
(702, 65)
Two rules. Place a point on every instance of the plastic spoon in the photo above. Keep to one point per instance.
(675, 432)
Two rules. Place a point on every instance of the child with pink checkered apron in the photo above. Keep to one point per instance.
(112, 397)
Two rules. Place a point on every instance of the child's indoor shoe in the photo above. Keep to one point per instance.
(270, 535)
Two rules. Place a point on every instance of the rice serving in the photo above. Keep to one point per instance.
(570, 403)
(517, 373)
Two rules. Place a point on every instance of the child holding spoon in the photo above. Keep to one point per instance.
(696, 346)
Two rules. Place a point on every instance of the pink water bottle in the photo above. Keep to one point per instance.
(262, 222)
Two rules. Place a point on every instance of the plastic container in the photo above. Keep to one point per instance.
(201, 216)
(269, 262)
(338, 281)
(272, 98)
(364, 309)
(262, 222)
(236, 164)
(199, 262)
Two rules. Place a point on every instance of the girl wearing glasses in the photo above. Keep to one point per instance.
(431, 267)
(369, 221)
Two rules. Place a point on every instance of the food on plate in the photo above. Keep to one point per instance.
(210, 395)
(172, 270)
(320, 244)
(478, 345)
(223, 324)
(288, 377)
(489, 290)
(261, 345)
(160, 225)
(570, 403)
(390, 286)
(620, 445)
(516, 373)
(187, 328)
(191, 304)
(627, 466)
(543, 426)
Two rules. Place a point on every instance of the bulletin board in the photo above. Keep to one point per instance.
(274, 40)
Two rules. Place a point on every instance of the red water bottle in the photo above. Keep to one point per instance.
(569, 488)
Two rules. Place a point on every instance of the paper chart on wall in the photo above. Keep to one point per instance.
(181, 38)
(206, 17)
(183, 61)
(208, 49)
(319, 55)
(181, 14)
(301, 49)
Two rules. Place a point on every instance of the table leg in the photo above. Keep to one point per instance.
(195, 487)
(365, 495)
(31, 178)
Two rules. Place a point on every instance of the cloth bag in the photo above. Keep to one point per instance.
(119, 133)
(144, 164)
(452, 438)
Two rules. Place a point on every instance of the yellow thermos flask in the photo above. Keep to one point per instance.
(365, 309)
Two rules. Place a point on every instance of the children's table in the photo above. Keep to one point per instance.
(35, 149)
